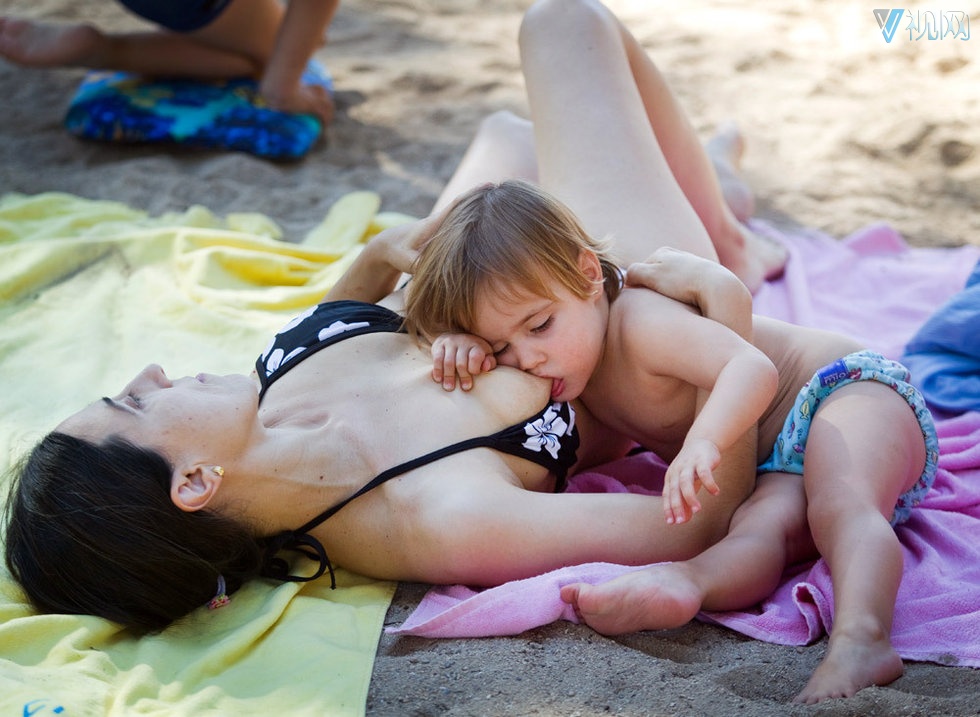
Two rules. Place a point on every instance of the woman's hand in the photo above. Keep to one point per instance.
(401, 244)
(462, 355)
(389, 254)
(677, 274)
(704, 284)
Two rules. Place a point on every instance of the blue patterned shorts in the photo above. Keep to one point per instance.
(790, 447)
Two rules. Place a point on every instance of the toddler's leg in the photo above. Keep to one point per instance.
(865, 448)
(768, 531)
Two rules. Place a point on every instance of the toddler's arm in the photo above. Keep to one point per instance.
(742, 389)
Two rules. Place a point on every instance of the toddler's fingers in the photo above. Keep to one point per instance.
(674, 506)
(475, 360)
(708, 481)
(689, 496)
(462, 368)
(449, 369)
(455, 367)
(438, 358)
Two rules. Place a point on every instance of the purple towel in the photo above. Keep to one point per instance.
(875, 288)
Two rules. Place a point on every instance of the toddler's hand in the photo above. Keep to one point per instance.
(688, 472)
(462, 355)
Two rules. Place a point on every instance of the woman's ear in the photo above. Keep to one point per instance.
(192, 489)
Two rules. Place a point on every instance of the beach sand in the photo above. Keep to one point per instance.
(842, 128)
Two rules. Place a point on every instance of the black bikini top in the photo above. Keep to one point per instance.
(548, 438)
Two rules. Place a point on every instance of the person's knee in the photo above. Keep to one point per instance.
(506, 126)
(547, 19)
(501, 122)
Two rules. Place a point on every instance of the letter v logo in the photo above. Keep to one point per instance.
(888, 21)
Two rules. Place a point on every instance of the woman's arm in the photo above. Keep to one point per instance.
(375, 272)
(373, 275)
(722, 297)
(736, 383)
(488, 531)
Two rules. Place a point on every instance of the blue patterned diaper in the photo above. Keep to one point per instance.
(790, 447)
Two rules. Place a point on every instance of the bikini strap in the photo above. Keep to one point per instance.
(301, 541)
(277, 568)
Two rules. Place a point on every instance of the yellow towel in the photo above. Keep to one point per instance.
(90, 292)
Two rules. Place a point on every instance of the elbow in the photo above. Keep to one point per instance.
(768, 377)
(738, 300)
(764, 382)
(457, 541)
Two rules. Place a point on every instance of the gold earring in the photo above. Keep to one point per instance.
(219, 471)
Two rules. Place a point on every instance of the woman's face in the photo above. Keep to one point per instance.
(207, 413)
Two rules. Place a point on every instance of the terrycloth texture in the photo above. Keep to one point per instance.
(872, 286)
(90, 292)
(945, 353)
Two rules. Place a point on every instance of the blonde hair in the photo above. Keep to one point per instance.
(501, 238)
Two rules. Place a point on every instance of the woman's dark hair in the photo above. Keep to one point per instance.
(91, 529)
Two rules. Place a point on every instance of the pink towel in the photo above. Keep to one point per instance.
(872, 286)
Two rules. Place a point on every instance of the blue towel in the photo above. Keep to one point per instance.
(944, 356)
(226, 114)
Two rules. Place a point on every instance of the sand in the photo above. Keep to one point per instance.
(842, 127)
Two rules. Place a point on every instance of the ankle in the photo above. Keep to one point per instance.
(865, 629)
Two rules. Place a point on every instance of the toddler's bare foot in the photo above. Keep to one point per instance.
(660, 597)
(851, 665)
(35, 44)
